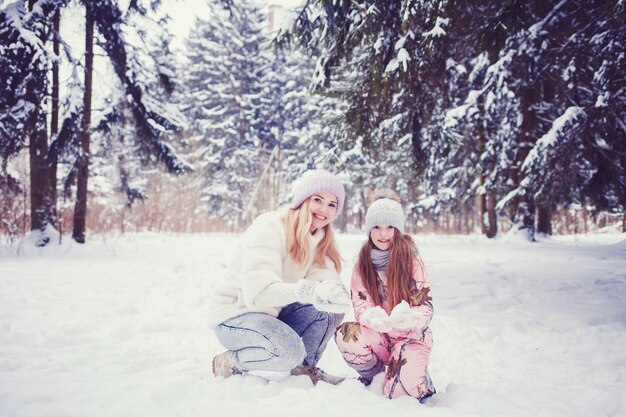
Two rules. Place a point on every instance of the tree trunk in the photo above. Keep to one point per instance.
(544, 220)
(480, 209)
(486, 200)
(525, 210)
(36, 131)
(54, 121)
(481, 199)
(38, 147)
(525, 215)
(486, 207)
(525, 218)
(491, 218)
(82, 163)
(416, 140)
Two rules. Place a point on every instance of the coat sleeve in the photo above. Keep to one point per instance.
(361, 298)
(261, 258)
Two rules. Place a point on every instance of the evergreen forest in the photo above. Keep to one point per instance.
(486, 117)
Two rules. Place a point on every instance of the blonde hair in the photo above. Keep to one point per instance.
(297, 224)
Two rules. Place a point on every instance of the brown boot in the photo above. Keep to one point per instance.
(224, 365)
(316, 374)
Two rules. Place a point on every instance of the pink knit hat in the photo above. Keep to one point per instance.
(317, 181)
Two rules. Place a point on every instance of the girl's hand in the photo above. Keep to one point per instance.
(403, 317)
(377, 319)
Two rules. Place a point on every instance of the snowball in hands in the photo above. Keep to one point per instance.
(331, 296)
(328, 295)
(402, 317)
(377, 319)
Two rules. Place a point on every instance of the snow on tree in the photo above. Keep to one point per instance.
(471, 89)
(25, 30)
(223, 101)
(120, 146)
(255, 124)
(562, 100)
(385, 59)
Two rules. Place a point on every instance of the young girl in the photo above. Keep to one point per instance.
(390, 293)
(282, 296)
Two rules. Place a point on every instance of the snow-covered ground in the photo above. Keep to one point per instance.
(118, 328)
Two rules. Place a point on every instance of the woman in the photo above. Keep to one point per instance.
(282, 297)
(392, 306)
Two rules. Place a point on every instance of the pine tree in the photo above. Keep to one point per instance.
(152, 65)
(475, 90)
(224, 98)
(559, 102)
(385, 59)
(25, 27)
(26, 30)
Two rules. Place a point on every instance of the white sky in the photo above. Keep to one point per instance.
(183, 12)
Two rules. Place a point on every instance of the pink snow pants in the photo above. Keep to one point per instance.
(369, 352)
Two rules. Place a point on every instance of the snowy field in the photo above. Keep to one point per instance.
(118, 328)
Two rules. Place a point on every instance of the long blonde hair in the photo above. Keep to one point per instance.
(402, 254)
(297, 224)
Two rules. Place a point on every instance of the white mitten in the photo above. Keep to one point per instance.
(403, 317)
(377, 319)
(305, 289)
(331, 296)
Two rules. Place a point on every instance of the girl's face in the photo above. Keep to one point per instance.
(382, 236)
(323, 208)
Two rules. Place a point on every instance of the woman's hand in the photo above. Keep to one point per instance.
(331, 296)
(328, 295)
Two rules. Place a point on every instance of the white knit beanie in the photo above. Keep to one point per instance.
(384, 211)
(317, 181)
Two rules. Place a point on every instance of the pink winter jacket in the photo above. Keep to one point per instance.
(420, 300)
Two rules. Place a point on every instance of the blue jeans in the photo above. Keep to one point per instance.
(298, 336)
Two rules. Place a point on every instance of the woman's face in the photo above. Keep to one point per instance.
(382, 236)
(323, 208)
